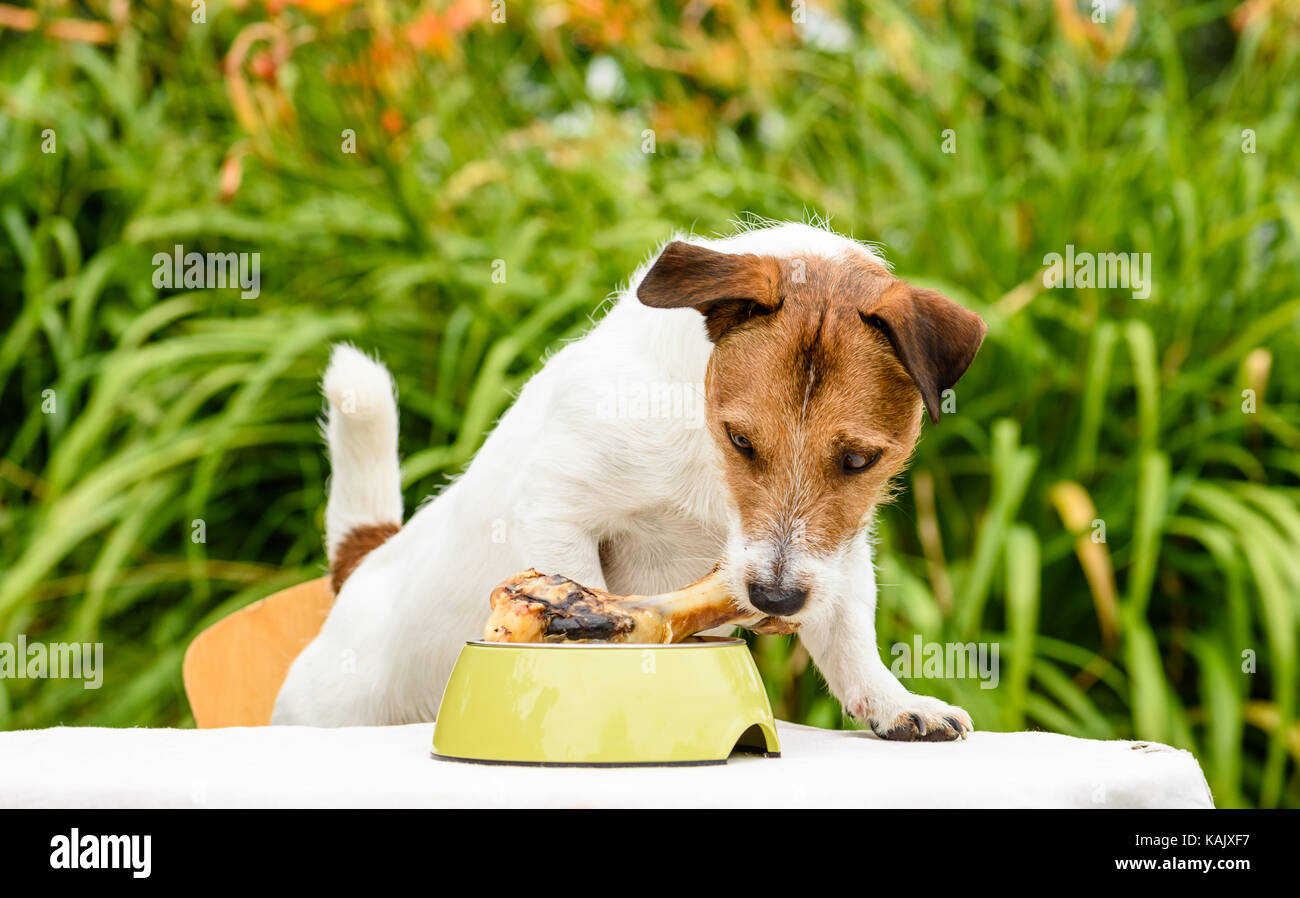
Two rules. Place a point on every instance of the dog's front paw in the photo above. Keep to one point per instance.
(913, 718)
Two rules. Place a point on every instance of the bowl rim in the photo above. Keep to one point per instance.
(701, 642)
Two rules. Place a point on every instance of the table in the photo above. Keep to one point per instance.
(391, 766)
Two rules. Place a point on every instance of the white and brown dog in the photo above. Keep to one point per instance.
(814, 363)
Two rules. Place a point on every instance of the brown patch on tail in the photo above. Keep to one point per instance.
(359, 543)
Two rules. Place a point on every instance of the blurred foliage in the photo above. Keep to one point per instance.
(567, 141)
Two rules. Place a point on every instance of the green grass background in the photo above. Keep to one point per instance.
(478, 141)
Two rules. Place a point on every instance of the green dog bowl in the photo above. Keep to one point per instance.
(597, 705)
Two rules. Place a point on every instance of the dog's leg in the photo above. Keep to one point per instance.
(562, 547)
(843, 645)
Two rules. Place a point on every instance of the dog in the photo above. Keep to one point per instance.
(813, 365)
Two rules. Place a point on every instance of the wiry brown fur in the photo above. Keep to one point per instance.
(814, 358)
(359, 543)
(806, 384)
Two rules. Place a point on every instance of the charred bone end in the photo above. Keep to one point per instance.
(536, 607)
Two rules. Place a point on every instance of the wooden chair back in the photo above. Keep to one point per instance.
(233, 670)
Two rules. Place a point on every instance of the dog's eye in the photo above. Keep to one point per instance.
(743, 444)
(857, 462)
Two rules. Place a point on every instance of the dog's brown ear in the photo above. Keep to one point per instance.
(933, 337)
(725, 288)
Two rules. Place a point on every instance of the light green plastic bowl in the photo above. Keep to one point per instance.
(590, 704)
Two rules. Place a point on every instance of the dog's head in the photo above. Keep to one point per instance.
(814, 394)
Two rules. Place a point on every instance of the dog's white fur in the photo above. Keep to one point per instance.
(628, 504)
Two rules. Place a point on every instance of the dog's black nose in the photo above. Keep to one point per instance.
(777, 601)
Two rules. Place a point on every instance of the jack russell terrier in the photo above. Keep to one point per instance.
(814, 363)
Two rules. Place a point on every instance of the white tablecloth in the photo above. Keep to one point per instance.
(391, 766)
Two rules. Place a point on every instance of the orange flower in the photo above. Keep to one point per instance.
(392, 121)
(599, 23)
(464, 13)
(434, 30)
(264, 66)
(383, 54)
(316, 7)
(429, 33)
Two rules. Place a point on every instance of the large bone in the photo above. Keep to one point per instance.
(535, 607)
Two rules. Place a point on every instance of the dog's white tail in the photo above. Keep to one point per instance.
(365, 489)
